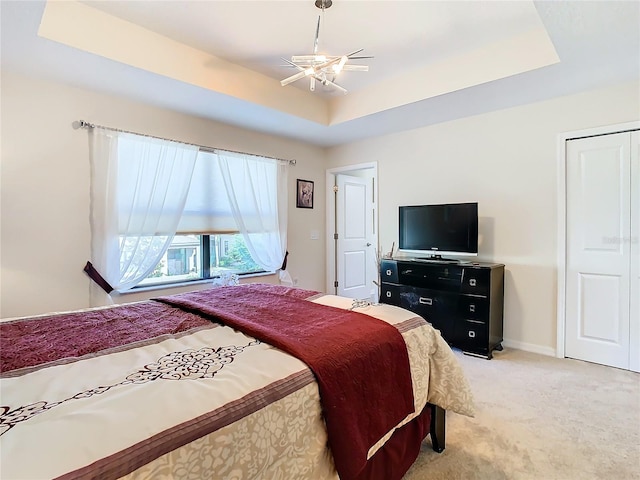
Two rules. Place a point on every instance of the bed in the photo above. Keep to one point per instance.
(240, 382)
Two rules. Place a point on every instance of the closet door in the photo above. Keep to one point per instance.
(634, 337)
(599, 242)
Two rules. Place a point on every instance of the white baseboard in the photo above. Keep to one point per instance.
(529, 347)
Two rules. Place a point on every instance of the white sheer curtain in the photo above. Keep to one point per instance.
(257, 190)
(139, 186)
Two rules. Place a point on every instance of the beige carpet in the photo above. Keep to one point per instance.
(540, 417)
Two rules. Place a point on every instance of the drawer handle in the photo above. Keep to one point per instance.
(472, 334)
(472, 308)
(472, 282)
(425, 301)
(388, 294)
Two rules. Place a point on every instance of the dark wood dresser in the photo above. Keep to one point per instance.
(462, 300)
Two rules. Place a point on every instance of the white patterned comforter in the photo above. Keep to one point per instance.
(231, 406)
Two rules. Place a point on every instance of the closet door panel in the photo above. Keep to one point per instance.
(598, 249)
(634, 318)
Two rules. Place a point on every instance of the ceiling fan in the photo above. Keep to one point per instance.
(322, 68)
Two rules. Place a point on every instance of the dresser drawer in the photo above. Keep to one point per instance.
(436, 307)
(432, 276)
(476, 281)
(473, 308)
(471, 336)
(389, 271)
(424, 302)
(390, 294)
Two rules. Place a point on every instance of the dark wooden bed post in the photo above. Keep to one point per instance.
(437, 428)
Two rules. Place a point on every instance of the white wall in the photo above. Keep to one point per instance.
(45, 235)
(507, 162)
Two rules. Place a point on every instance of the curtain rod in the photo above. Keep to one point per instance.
(83, 124)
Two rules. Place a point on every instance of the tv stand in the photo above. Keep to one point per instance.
(462, 300)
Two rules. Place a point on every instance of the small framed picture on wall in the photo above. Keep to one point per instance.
(304, 198)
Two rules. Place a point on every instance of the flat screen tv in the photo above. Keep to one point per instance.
(436, 230)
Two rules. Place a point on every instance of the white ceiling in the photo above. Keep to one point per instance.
(256, 34)
(433, 60)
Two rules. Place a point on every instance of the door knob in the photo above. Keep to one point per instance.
(368, 244)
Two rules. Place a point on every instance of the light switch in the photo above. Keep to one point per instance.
(315, 234)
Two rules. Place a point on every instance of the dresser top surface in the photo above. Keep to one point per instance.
(447, 263)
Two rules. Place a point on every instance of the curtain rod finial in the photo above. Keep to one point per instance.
(81, 124)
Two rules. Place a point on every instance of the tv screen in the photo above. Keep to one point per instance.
(450, 228)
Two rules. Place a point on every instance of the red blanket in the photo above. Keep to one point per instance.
(38, 340)
(361, 363)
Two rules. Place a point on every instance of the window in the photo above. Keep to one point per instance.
(187, 256)
(165, 212)
(229, 253)
(201, 256)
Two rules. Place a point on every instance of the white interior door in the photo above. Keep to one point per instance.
(355, 244)
(598, 249)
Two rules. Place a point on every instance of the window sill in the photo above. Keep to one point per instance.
(169, 286)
